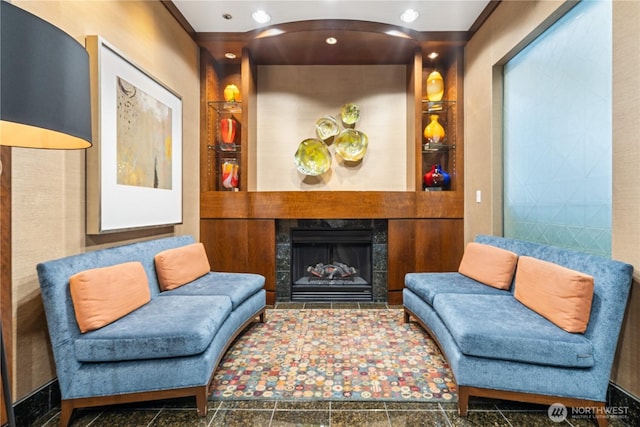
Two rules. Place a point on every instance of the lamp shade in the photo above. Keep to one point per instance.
(45, 99)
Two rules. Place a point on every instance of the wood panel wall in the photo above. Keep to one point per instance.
(242, 246)
(421, 245)
(248, 245)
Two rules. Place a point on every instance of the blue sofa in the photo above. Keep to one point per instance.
(167, 348)
(498, 348)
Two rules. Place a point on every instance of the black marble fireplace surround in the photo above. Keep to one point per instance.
(376, 276)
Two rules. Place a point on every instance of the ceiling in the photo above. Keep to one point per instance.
(367, 31)
(434, 15)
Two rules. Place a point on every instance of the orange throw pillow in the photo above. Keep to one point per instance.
(488, 264)
(179, 266)
(561, 295)
(103, 295)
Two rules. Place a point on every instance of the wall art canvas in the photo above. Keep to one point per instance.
(134, 169)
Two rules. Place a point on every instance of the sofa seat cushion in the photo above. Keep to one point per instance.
(502, 328)
(165, 327)
(428, 285)
(237, 286)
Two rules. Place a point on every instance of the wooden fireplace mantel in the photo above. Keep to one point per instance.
(331, 205)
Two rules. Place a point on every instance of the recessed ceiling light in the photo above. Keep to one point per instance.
(261, 17)
(409, 15)
(227, 16)
(230, 55)
(331, 40)
(433, 55)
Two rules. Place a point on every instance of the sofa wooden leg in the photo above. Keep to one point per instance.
(407, 316)
(261, 317)
(601, 415)
(602, 420)
(201, 401)
(65, 413)
(463, 401)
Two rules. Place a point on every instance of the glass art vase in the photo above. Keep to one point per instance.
(434, 132)
(435, 86)
(228, 130)
(437, 177)
(231, 93)
(230, 179)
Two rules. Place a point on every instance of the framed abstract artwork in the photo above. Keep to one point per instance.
(134, 169)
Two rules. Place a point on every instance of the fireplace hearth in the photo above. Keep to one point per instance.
(329, 264)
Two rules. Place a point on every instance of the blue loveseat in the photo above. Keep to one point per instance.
(499, 348)
(167, 348)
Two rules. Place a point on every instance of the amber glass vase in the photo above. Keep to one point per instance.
(434, 132)
(435, 86)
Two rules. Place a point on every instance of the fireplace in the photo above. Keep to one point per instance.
(284, 251)
(331, 264)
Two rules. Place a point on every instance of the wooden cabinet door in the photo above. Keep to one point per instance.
(243, 246)
(422, 245)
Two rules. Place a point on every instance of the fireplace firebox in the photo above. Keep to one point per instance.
(331, 264)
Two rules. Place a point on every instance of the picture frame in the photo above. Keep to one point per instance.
(134, 168)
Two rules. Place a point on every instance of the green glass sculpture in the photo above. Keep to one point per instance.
(351, 144)
(326, 127)
(312, 157)
(350, 114)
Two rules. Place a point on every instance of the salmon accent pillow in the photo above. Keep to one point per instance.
(488, 264)
(561, 295)
(179, 266)
(103, 295)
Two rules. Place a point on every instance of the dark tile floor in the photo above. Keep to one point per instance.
(182, 413)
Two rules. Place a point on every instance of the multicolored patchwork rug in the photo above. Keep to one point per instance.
(328, 354)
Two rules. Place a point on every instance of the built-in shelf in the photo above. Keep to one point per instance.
(437, 107)
(435, 148)
(223, 148)
(226, 148)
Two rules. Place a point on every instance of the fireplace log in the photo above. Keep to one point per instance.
(331, 271)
